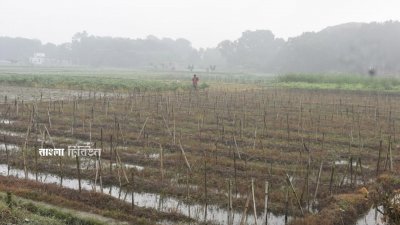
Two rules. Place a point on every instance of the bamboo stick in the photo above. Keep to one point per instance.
(143, 127)
(295, 194)
(246, 207)
(266, 194)
(184, 156)
(254, 201)
(318, 180)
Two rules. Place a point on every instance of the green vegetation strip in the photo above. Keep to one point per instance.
(339, 81)
(86, 83)
(22, 211)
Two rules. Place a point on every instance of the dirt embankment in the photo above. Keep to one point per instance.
(96, 203)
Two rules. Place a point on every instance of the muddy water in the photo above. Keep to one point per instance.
(345, 162)
(11, 134)
(6, 121)
(154, 156)
(371, 218)
(127, 166)
(150, 200)
(10, 147)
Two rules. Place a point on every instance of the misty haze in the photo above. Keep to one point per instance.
(346, 48)
(224, 112)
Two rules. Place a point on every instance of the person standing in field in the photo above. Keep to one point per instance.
(195, 80)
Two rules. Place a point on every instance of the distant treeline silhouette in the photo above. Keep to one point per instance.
(348, 48)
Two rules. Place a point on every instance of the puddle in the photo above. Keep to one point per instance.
(138, 168)
(90, 163)
(215, 214)
(154, 156)
(345, 162)
(10, 147)
(371, 218)
(12, 134)
(6, 121)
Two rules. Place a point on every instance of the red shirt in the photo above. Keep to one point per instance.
(195, 80)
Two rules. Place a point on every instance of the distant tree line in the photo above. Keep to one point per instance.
(351, 47)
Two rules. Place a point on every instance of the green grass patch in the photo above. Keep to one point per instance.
(339, 81)
(119, 79)
(18, 211)
(87, 83)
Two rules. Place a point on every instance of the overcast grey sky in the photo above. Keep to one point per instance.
(203, 22)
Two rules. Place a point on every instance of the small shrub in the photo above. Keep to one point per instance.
(204, 86)
(9, 200)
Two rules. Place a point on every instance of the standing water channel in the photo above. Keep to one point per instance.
(373, 217)
(215, 214)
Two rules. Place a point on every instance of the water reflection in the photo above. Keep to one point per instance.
(373, 217)
(150, 200)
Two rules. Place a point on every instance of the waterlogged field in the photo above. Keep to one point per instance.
(180, 156)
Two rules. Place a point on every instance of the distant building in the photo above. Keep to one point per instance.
(5, 62)
(38, 58)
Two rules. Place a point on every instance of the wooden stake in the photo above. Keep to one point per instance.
(236, 147)
(7, 156)
(266, 202)
(295, 194)
(379, 158)
(141, 131)
(48, 115)
(78, 167)
(230, 220)
(318, 179)
(205, 184)
(161, 163)
(100, 163)
(111, 152)
(254, 201)
(246, 207)
(184, 156)
(188, 189)
(390, 156)
(24, 148)
(287, 203)
(132, 187)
